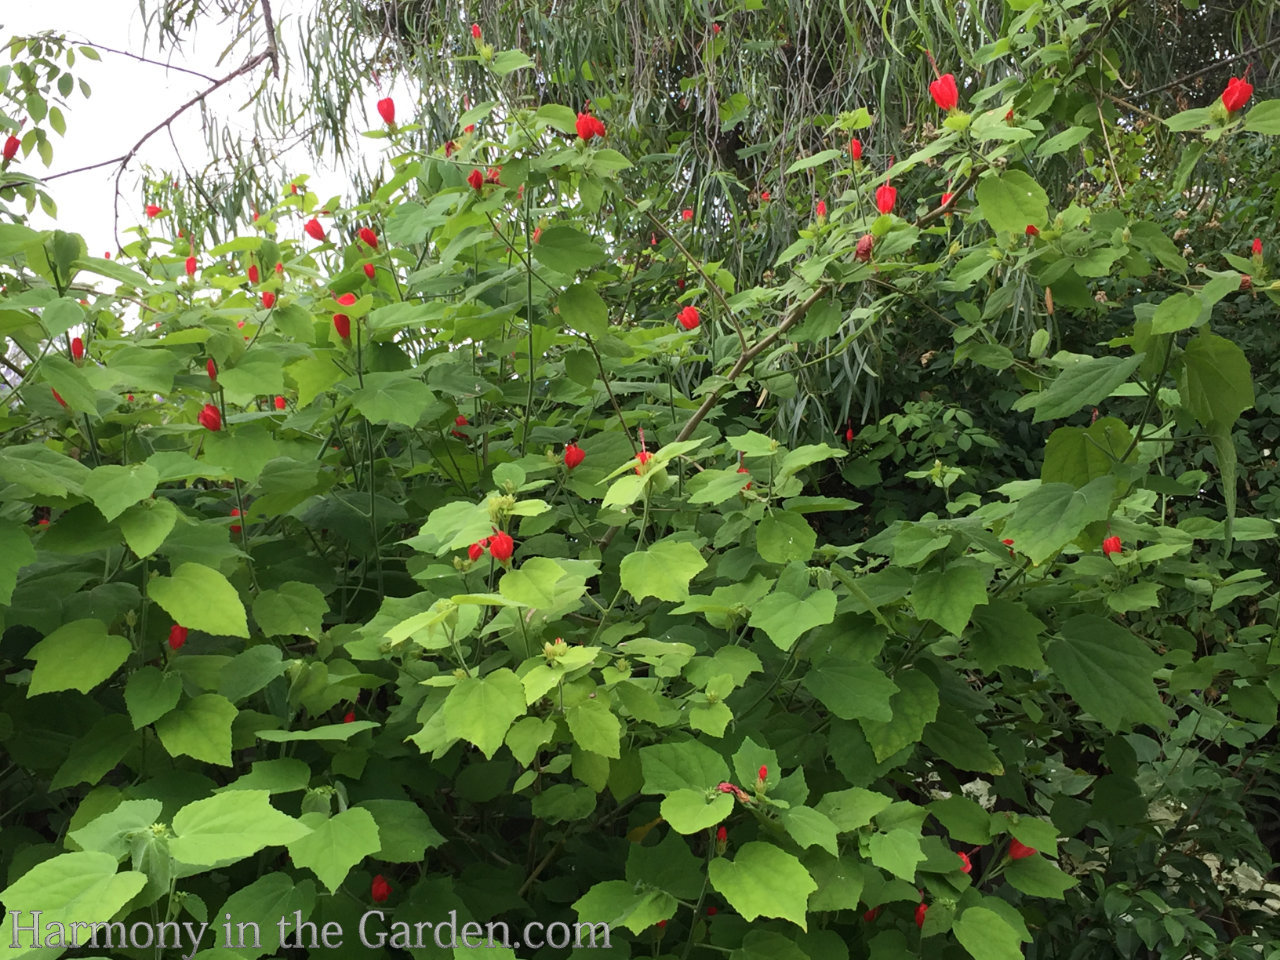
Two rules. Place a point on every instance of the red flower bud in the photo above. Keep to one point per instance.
(848, 434)
(855, 148)
(946, 199)
(492, 174)
(212, 367)
(130, 398)
(1017, 849)
(77, 349)
(476, 550)
(712, 911)
(342, 324)
(871, 914)
(862, 252)
(715, 28)
(501, 546)
(589, 126)
(763, 774)
(235, 527)
(191, 266)
(469, 128)
(280, 404)
(57, 396)
(349, 717)
(644, 456)
(268, 299)
(886, 197)
(921, 910)
(689, 318)
(820, 209)
(944, 92)
(11, 147)
(475, 31)
(573, 455)
(1033, 230)
(314, 230)
(210, 418)
(347, 299)
(476, 179)
(153, 211)
(460, 421)
(1257, 246)
(965, 865)
(369, 237)
(368, 270)
(1109, 546)
(253, 273)
(449, 147)
(380, 890)
(765, 196)
(279, 268)
(293, 189)
(1237, 93)
(387, 110)
(686, 214)
(177, 637)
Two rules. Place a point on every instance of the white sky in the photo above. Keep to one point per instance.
(130, 98)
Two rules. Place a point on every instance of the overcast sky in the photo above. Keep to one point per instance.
(128, 99)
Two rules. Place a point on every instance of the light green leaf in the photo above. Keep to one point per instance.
(809, 828)
(1010, 200)
(852, 809)
(620, 904)
(1108, 671)
(43, 471)
(688, 764)
(1263, 117)
(331, 732)
(230, 826)
(1006, 633)
(481, 709)
(663, 570)
(16, 552)
(1063, 141)
(1216, 384)
(582, 309)
(275, 776)
(1084, 383)
(914, 706)
(1037, 877)
(784, 617)
(150, 694)
(264, 902)
(1176, 313)
(200, 598)
(567, 250)
(404, 830)
(393, 398)
(509, 61)
(1076, 455)
(293, 608)
(77, 656)
(763, 881)
(594, 727)
(783, 537)
(897, 851)
(689, 811)
(335, 844)
(200, 728)
(986, 935)
(146, 525)
(1054, 514)
(249, 671)
(948, 596)
(851, 689)
(114, 488)
(817, 159)
(110, 833)
(546, 585)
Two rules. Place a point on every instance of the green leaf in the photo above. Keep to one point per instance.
(964, 819)
(114, 488)
(393, 398)
(961, 743)
(1263, 117)
(77, 656)
(230, 826)
(110, 833)
(567, 250)
(150, 694)
(68, 888)
(619, 903)
(330, 732)
(508, 61)
(249, 671)
(594, 728)
(144, 369)
(689, 811)
(200, 598)
(1084, 383)
(551, 587)
(1037, 877)
(668, 767)
(948, 596)
(1054, 514)
(146, 525)
(16, 552)
(265, 902)
(914, 706)
(817, 159)
(96, 753)
(404, 830)
(763, 881)
(1108, 671)
(897, 851)
(851, 689)
(200, 728)
(852, 809)
(1063, 141)
(481, 709)
(986, 935)
(1176, 313)
(784, 617)
(335, 844)
(1010, 200)
(663, 570)
(582, 309)
(294, 608)
(810, 828)
(274, 776)
(783, 537)
(1216, 384)
(1005, 633)
(1076, 455)
(43, 471)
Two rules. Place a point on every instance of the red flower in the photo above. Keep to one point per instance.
(1008, 543)
(689, 318)
(573, 455)
(476, 179)
(855, 148)
(387, 110)
(763, 774)
(946, 198)
(449, 147)
(686, 214)
(57, 396)
(350, 717)
(679, 283)
(235, 527)
(268, 299)
(886, 197)
(469, 128)
(1033, 230)
(280, 403)
(765, 196)
(501, 546)
(1257, 246)
(130, 398)
(722, 835)
(475, 31)
(212, 368)
(862, 252)
(460, 421)
(368, 270)
(589, 126)
(1008, 117)
(715, 28)
(965, 865)
(342, 324)
(820, 209)
(1237, 94)
(1019, 850)
(643, 456)
(77, 349)
(661, 924)
(476, 550)
(153, 211)
(537, 234)
(253, 273)
(379, 889)
(11, 147)
(712, 911)
(279, 268)
(314, 230)
(191, 266)
(210, 418)
(921, 910)
(944, 92)
(848, 434)
(177, 637)
(107, 255)
(347, 299)
(1109, 546)
(492, 175)
(369, 237)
